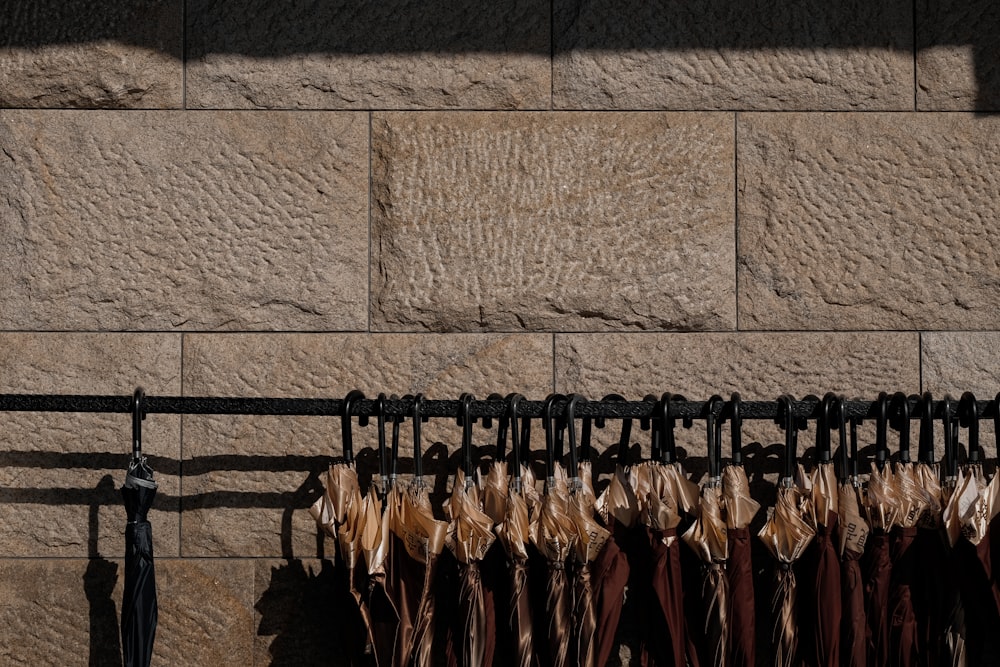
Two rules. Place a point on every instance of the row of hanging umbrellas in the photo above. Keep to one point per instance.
(535, 572)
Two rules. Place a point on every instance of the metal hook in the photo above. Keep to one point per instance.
(899, 411)
(736, 427)
(788, 422)
(882, 431)
(574, 466)
(714, 437)
(824, 449)
(624, 437)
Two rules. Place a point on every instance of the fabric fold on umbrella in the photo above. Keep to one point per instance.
(853, 535)
(514, 534)
(882, 510)
(339, 513)
(790, 527)
(665, 494)
(618, 508)
(821, 566)
(589, 541)
(740, 509)
(383, 613)
(554, 535)
(707, 536)
(470, 535)
(417, 541)
(903, 627)
(140, 612)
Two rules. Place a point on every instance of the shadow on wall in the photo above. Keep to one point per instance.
(267, 29)
(305, 612)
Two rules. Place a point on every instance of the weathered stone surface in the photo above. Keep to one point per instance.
(955, 362)
(91, 55)
(759, 366)
(542, 221)
(67, 612)
(873, 221)
(733, 55)
(958, 55)
(60, 472)
(250, 480)
(163, 220)
(386, 55)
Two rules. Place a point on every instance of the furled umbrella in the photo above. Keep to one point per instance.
(740, 510)
(618, 507)
(470, 536)
(881, 510)
(790, 527)
(339, 513)
(590, 540)
(666, 496)
(554, 535)
(708, 538)
(417, 541)
(513, 532)
(821, 564)
(853, 535)
(903, 629)
(139, 606)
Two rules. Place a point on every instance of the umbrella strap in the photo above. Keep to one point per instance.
(132, 481)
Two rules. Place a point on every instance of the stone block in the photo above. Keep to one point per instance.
(60, 472)
(733, 55)
(759, 366)
(250, 480)
(104, 54)
(67, 611)
(178, 220)
(387, 55)
(958, 51)
(868, 221)
(552, 221)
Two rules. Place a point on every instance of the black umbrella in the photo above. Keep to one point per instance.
(139, 611)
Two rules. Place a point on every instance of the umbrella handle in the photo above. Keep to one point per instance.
(548, 423)
(465, 421)
(882, 431)
(502, 425)
(138, 414)
(655, 432)
(899, 409)
(713, 432)
(736, 428)
(787, 421)
(925, 450)
(513, 407)
(396, 421)
(950, 441)
(383, 463)
(574, 470)
(968, 416)
(345, 423)
(845, 464)
(624, 438)
(824, 424)
(418, 463)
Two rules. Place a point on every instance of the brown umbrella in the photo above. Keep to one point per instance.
(375, 538)
(853, 535)
(903, 629)
(513, 533)
(708, 538)
(821, 564)
(619, 508)
(882, 510)
(417, 541)
(790, 527)
(740, 510)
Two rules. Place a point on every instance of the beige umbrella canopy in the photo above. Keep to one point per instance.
(790, 527)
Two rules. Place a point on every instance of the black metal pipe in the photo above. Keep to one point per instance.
(332, 407)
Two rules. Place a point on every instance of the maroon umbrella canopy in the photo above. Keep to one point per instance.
(513, 533)
(822, 590)
(853, 534)
(383, 614)
(707, 536)
(904, 632)
(882, 510)
(740, 511)
(619, 508)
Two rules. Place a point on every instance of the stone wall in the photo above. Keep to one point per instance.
(301, 198)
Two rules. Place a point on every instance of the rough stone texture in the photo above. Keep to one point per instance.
(873, 221)
(958, 55)
(956, 362)
(103, 54)
(567, 221)
(60, 472)
(733, 55)
(67, 612)
(759, 366)
(169, 220)
(349, 55)
(249, 480)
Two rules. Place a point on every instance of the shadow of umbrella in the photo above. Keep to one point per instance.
(99, 585)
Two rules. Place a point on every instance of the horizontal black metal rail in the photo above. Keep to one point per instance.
(214, 405)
